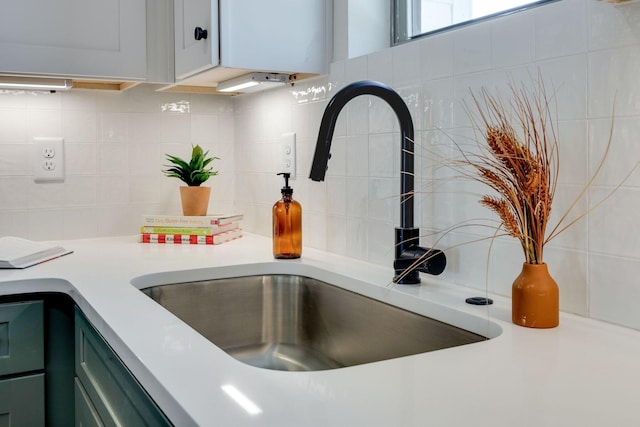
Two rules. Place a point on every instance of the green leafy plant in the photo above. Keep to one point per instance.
(195, 171)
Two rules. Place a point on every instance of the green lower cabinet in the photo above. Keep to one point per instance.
(22, 378)
(86, 413)
(22, 401)
(21, 337)
(106, 393)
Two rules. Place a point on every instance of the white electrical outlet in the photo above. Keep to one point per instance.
(48, 159)
(289, 153)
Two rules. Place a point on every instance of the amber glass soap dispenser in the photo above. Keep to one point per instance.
(287, 224)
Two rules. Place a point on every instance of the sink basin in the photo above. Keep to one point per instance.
(295, 323)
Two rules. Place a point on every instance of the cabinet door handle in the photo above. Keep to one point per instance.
(200, 33)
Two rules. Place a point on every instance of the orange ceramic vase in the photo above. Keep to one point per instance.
(535, 298)
(195, 200)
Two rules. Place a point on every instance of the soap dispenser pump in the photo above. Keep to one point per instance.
(287, 224)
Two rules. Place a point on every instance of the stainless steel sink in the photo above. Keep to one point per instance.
(295, 323)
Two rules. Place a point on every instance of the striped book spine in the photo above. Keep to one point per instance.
(190, 239)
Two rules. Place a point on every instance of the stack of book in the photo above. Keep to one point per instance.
(190, 230)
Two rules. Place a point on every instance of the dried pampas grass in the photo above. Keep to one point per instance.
(517, 156)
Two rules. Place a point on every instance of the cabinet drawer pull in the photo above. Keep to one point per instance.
(200, 33)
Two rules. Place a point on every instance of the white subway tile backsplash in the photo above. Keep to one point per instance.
(624, 151)
(384, 155)
(80, 191)
(357, 239)
(47, 195)
(384, 197)
(613, 227)
(81, 158)
(357, 197)
(437, 104)
(379, 235)
(406, 64)
(572, 137)
(46, 224)
(44, 101)
(554, 37)
(357, 149)
(43, 123)
(614, 289)
(113, 159)
(13, 125)
(143, 127)
(381, 66)
(13, 223)
(612, 27)
(337, 234)
(175, 127)
(13, 192)
(512, 40)
(357, 113)
(85, 100)
(586, 52)
(314, 230)
(565, 80)
(80, 222)
(112, 127)
(569, 268)
(204, 129)
(79, 125)
(356, 69)
(472, 49)
(569, 197)
(613, 82)
(14, 159)
(113, 191)
(381, 117)
(436, 56)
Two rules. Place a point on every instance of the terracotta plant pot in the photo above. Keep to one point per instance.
(535, 298)
(195, 200)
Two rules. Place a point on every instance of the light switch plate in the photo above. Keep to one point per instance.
(48, 159)
(289, 153)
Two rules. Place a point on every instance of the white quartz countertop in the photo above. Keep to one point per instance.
(583, 373)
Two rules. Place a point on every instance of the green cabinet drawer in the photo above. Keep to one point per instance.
(116, 395)
(22, 401)
(86, 413)
(21, 337)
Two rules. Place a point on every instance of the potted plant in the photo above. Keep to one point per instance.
(194, 197)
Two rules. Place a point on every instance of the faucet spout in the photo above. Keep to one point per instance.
(407, 237)
(328, 124)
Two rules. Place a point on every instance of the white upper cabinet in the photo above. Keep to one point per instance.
(103, 39)
(276, 36)
(196, 36)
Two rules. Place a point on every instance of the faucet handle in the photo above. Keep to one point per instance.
(425, 260)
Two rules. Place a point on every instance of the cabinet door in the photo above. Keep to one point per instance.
(87, 38)
(191, 55)
(86, 413)
(275, 35)
(21, 337)
(22, 401)
(113, 391)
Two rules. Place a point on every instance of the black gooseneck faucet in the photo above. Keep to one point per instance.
(410, 258)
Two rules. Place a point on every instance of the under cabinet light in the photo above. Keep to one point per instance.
(34, 83)
(253, 82)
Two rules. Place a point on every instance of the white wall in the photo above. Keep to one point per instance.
(115, 145)
(114, 152)
(587, 49)
(360, 27)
